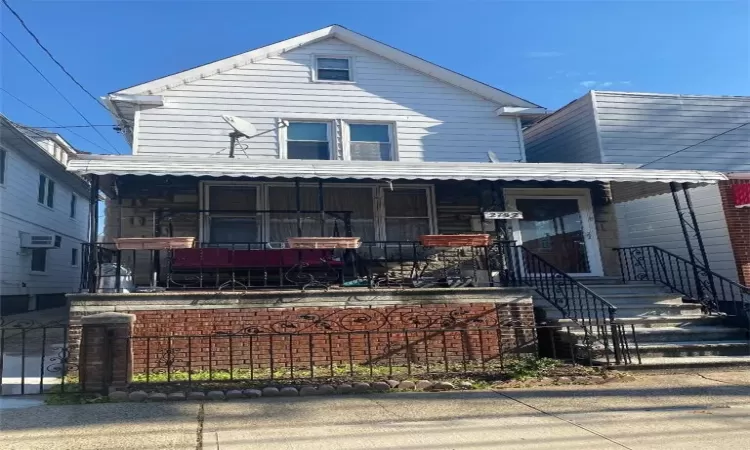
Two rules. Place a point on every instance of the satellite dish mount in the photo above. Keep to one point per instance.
(242, 128)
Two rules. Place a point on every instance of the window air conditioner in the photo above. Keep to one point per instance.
(40, 240)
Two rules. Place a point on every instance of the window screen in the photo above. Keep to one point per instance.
(370, 142)
(406, 214)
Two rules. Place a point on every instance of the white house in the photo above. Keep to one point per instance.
(43, 219)
(662, 131)
(351, 162)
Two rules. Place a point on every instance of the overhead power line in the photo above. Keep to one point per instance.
(72, 126)
(694, 145)
(59, 64)
(48, 118)
(58, 91)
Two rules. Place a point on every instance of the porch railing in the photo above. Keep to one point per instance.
(253, 265)
(716, 293)
(588, 310)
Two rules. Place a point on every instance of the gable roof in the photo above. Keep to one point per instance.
(420, 65)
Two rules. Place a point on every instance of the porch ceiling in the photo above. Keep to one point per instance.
(388, 170)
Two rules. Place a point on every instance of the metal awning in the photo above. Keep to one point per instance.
(389, 170)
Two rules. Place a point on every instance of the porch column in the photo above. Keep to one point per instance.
(93, 231)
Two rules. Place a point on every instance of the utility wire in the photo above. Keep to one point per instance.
(69, 126)
(59, 64)
(48, 118)
(59, 92)
(693, 145)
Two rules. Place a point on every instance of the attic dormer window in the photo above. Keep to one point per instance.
(333, 69)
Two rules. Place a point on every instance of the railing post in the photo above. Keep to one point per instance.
(615, 338)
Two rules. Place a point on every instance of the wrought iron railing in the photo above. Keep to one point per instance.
(254, 265)
(716, 293)
(576, 302)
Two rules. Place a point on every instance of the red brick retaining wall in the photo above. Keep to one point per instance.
(296, 338)
(738, 224)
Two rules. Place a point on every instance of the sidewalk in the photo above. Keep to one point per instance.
(710, 410)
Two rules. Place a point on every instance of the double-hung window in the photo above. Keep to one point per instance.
(39, 260)
(370, 142)
(46, 194)
(308, 140)
(333, 69)
(2, 165)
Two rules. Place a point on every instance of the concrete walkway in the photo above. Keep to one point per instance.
(710, 410)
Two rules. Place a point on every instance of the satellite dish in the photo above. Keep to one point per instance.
(493, 157)
(241, 126)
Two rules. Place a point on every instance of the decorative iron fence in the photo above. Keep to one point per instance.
(35, 357)
(716, 293)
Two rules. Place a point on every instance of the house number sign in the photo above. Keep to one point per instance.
(503, 215)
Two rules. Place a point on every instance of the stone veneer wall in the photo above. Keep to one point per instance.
(293, 330)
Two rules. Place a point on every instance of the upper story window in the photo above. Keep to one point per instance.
(46, 194)
(333, 69)
(370, 142)
(2, 166)
(308, 140)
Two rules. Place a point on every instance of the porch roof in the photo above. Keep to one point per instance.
(386, 170)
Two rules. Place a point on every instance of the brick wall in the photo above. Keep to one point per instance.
(738, 224)
(296, 338)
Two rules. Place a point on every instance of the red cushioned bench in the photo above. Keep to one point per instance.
(224, 258)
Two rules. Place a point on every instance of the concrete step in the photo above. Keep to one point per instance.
(633, 310)
(689, 349)
(678, 334)
(598, 280)
(655, 298)
(657, 321)
(635, 289)
(686, 362)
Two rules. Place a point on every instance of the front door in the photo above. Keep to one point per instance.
(558, 226)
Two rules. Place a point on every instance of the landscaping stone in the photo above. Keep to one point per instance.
(627, 377)
(410, 385)
(393, 383)
(137, 396)
(443, 386)
(326, 389)
(196, 395)
(344, 389)
(157, 397)
(423, 384)
(234, 393)
(215, 395)
(118, 396)
(270, 392)
(176, 396)
(252, 393)
(289, 391)
(465, 385)
(307, 391)
(564, 380)
(361, 387)
(380, 386)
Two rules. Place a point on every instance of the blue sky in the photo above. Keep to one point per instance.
(547, 52)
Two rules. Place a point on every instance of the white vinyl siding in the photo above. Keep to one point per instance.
(568, 135)
(641, 128)
(433, 121)
(653, 221)
(21, 214)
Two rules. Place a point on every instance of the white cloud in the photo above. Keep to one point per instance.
(593, 84)
(549, 54)
(588, 84)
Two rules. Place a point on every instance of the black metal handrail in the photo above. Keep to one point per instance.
(716, 293)
(575, 301)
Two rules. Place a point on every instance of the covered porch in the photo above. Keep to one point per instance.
(242, 221)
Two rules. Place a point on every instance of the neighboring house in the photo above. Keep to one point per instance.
(663, 131)
(43, 219)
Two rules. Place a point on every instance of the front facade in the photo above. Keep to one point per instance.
(660, 131)
(43, 219)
